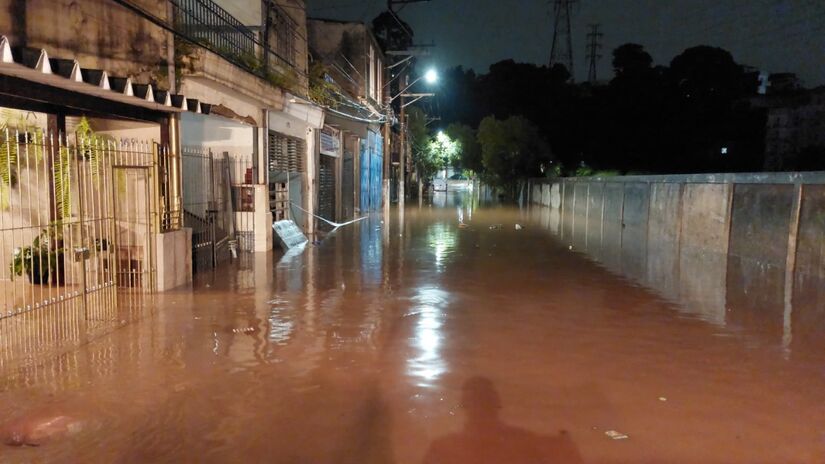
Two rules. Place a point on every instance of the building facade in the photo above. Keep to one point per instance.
(349, 70)
(206, 99)
(795, 135)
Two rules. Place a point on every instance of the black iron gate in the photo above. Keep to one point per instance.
(207, 206)
(326, 189)
(348, 186)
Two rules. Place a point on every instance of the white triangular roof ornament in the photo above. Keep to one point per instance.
(43, 64)
(76, 75)
(168, 100)
(197, 108)
(5, 50)
(150, 94)
(104, 81)
(127, 89)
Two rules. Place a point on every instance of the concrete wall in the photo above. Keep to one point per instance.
(174, 259)
(735, 250)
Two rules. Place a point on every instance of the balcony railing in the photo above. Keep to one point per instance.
(204, 22)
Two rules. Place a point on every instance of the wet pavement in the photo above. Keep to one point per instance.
(422, 340)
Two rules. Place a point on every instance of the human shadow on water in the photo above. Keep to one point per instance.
(486, 439)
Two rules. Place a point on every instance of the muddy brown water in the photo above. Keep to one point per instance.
(419, 340)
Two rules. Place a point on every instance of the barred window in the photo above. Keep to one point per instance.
(286, 154)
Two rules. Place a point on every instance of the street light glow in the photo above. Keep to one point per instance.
(431, 76)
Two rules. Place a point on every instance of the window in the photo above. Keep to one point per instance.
(286, 154)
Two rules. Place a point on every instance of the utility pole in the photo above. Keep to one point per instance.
(594, 45)
(562, 49)
(402, 154)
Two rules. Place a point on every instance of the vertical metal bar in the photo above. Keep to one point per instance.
(211, 207)
(83, 238)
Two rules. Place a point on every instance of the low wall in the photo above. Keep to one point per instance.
(733, 248)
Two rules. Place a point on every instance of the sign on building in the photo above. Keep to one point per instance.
(330, 141)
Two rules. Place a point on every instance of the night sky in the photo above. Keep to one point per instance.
(771, 35)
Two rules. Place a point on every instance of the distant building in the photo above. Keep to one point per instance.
(783, 84)
(795, 130)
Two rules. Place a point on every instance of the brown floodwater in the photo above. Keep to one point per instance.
(421, 340)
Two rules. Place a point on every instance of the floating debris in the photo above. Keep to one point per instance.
(495, 227)
(616, 435)
(662, 399)
(519, 227)
(244, 330)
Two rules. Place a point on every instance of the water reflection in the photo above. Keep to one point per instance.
(441, 239)
(371, 248)
(428, 307)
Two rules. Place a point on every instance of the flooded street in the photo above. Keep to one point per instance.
(439, 337)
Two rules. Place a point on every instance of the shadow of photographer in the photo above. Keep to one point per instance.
(486, 439)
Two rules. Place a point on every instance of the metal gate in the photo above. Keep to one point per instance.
(348, 186)
(218, 205)
(76, 221)
(326, 190)
(286, 175)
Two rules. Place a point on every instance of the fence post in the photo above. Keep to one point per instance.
(210, 212)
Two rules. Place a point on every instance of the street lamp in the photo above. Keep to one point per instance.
(430, 77)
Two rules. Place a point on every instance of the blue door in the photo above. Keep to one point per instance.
(372, 167)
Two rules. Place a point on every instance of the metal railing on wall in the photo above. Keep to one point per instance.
(204, 22)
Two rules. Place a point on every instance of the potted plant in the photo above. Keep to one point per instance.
(42, 261)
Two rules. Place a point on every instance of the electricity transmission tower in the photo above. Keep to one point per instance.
(594, 45)
(562, 49)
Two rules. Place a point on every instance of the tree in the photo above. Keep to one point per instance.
(512, 150)
(710, 72)
(631, 59)
(469, 156)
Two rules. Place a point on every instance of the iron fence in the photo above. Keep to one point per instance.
(77, 219)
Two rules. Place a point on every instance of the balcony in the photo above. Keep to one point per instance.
(205, 23)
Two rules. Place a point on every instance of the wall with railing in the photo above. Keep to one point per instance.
(275, 49)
